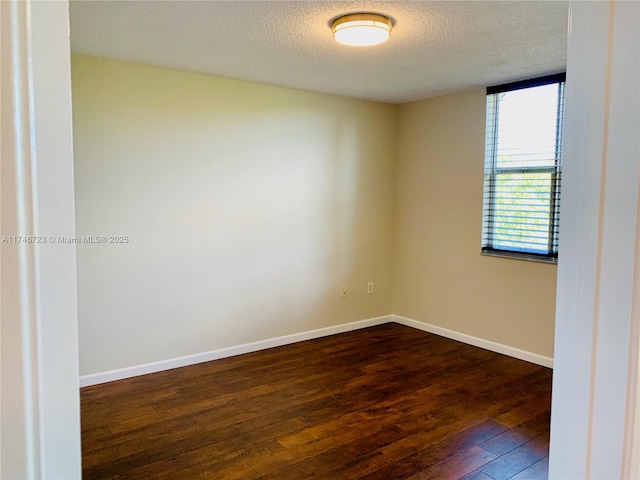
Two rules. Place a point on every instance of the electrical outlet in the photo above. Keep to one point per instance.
(343, 291)
(369, 288)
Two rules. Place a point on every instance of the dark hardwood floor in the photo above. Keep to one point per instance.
(387, 402)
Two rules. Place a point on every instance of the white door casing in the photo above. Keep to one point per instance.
(40, 422)
(598, 293)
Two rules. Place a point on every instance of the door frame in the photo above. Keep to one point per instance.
(40, 416)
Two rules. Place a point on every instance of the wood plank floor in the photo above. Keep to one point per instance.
(387, 402)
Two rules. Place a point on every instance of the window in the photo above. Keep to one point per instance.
(523, 163)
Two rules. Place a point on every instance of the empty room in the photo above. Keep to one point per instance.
(321, 239)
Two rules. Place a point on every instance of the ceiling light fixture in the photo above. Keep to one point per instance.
(361, 29)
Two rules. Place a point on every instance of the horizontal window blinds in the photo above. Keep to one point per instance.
(523, 162)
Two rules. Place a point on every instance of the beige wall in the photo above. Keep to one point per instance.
(439, 275)
(246, 208)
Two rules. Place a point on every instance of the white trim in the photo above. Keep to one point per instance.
(20, 399)
(161, 365)
(476, 341)
(40, 415)
(598, 291)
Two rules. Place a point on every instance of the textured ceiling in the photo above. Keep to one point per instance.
(435, 47)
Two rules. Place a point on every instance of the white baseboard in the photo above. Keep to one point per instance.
(161, 365)
(475, 341)
(110, 376)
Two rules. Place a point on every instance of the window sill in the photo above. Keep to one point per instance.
(517, 256)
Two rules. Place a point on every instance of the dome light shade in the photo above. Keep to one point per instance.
(361, 29)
